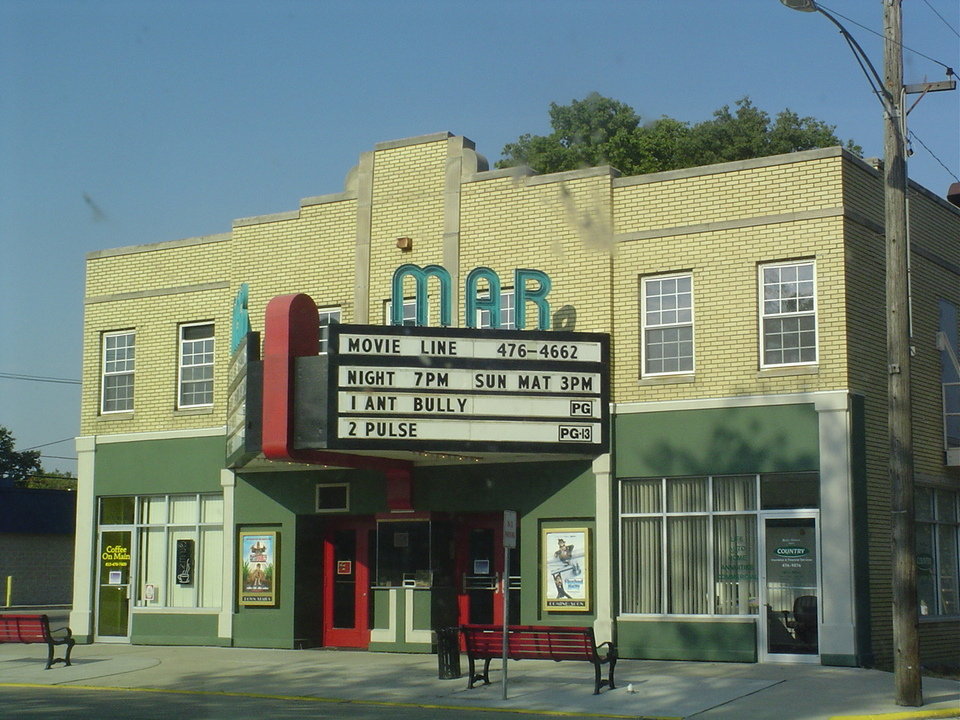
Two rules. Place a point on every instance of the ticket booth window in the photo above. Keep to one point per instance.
(413, 553)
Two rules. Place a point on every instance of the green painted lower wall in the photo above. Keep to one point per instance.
(839, 660)
(175, 629)
(401, 647)
(687, 640)
(422, 614)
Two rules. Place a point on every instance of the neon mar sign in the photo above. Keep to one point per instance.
(529, 286)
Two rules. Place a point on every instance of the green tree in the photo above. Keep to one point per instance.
(601, 131)
(50, 480)
(16, 465)
(22, 468)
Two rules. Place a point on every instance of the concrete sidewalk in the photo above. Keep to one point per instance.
(706, 691)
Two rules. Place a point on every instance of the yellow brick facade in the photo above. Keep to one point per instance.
(595, 235)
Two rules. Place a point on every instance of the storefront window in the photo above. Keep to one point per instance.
(116, 510)
(788, 491)
(179, 547)
(690, 544)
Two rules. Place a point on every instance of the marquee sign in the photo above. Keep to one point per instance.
(244, 388)
(451, 389)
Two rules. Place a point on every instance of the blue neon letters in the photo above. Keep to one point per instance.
(529, 285)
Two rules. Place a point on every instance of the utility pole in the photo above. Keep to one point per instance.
(906, 663)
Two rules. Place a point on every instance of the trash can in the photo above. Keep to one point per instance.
(448, 653)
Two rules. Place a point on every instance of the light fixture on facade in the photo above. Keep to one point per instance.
(405, 244)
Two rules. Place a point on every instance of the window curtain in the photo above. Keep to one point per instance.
(642, 589)
(687, 572)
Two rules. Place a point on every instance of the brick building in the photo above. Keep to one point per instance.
(740, 509)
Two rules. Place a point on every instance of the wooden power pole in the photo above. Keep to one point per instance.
(904, 578)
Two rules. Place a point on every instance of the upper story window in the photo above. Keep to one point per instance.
(196, 365)
(328, 316)
(938, 534)
(119, 350)
(788, 314)
(508, 312)
(666, 312)
(949, 346)
(409, 312)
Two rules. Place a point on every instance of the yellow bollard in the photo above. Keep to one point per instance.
(9, 590)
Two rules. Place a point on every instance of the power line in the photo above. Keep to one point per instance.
(58, 457)
(38, 378)
(942, 19)
(916, 137)
(880, 35)
(55, 442)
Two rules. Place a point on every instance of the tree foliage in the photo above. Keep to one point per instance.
(16, 465)
(601, 131)
(22, 468)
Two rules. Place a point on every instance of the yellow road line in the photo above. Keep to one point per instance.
(347, 701)
(905, 715)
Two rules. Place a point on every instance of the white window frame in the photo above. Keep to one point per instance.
(757, 509)
(765, 314)
(182, 342)
(200, 529)
(112, 368)
(508, 311)
(409, 312)
(646, 327)
(950, 380)
(328, 316)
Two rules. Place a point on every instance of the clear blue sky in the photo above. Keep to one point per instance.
(126, 122)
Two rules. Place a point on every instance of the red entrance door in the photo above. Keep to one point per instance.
(346, 583)
(480, 571)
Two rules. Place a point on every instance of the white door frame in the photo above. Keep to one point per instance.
(763, 653)
(98, 583)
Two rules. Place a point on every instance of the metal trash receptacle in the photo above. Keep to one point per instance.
(448, 653)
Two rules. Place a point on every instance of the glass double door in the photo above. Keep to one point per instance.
(790, 584)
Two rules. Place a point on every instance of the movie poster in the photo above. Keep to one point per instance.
(566, 579)
(258, 568)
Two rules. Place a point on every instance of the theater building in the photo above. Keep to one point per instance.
(667, 392)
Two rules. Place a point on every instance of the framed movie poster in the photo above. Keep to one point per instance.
(566, 569)
(258, 568)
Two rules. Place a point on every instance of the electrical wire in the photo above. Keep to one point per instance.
(55, 442)
(942, 19)
(878, 91)
(880, 35)
(38, 378)
(913, 135)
